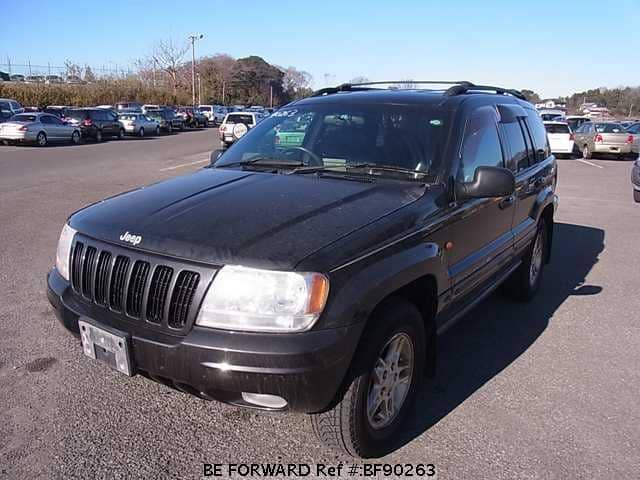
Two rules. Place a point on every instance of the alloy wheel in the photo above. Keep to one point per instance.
(536, 259)
(390, 381)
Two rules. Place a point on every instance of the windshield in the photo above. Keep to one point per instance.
(127, 117)
(557, 128)
(239, 118)
(339, 135)
(609, 128)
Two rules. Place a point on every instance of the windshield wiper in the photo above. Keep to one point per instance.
(361, 165)
(266, 161)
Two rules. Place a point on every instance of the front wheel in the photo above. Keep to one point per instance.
(157, 131)
(121, 134)
(75, 138)
(99, 136)
(384, 378)
(586, 152)
(636, 195)
(141, 132)
(524, 283)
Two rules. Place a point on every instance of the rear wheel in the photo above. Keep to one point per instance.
(523, 284)
(121, 134)
(75, 137)
(141, 132)
(586, 152)
(41, 139)
(170, 129)
(157, 131)
(384, 377)
(99, 136)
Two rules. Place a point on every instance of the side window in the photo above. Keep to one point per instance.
(539, 137)
(517, 146)
(481, 144)
(46, 119)
(54, 120)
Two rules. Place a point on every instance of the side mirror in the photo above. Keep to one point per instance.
(215, 155)
(488, 182)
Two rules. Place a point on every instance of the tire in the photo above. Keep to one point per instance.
(99, 136)
(141, 132)
(525, 282)
(181, 128)
(170, 129)
(121, 134)
(41, 139)
(75, 138)
(157, 131)
(586, 152)
(349, 427)
(636, 195)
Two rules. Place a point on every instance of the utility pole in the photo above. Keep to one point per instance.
(49, 67)
(223, 85)
(193, 39)
(199, 90)
(154, 72)
(9, 64)
(29, 62)
(271, 95)
(630, 110)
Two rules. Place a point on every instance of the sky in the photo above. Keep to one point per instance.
(552, 47)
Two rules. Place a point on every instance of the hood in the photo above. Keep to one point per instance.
(224, 216)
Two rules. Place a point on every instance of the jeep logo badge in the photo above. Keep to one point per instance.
(132, 239)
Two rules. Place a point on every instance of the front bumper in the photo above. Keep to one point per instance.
(306, 369)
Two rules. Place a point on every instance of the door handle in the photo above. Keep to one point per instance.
(506, 202)
(536, 182)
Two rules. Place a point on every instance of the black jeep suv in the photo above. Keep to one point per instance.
(313, 264)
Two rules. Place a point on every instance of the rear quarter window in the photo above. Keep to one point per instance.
(539, 136)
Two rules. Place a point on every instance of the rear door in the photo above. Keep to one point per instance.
(481, 227)
(535, 173)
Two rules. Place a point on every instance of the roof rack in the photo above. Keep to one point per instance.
(457, 87)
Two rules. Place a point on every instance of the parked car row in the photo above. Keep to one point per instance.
(48, 79)
(593, 137)
(60, 123)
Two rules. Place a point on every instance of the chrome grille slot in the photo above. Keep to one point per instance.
(158, 291)
(137, 284)
(182, 297)
(118, 279)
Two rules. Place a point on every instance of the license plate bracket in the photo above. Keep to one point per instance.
(107, 345)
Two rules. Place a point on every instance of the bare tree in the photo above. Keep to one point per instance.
(72, 69)
(169, 57)
(406, 84)
(89, 76)
(359, 79)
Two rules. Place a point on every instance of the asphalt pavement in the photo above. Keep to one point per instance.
(550, 389)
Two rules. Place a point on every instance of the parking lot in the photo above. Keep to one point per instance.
(543, 390)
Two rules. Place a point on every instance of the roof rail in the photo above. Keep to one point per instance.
(462, 89)
(459, 87)
(361, 86)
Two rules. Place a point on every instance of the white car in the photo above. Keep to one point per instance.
(215, 113)
(560, 138)
(236, 124)
(138, 124)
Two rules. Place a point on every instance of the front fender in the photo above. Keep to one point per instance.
(364, 284)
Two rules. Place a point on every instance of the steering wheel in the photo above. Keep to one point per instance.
(317, 161)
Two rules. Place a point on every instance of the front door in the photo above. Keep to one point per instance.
(481, 227)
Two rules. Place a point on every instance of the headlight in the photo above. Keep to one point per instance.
(64, 251)
(263, 301)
